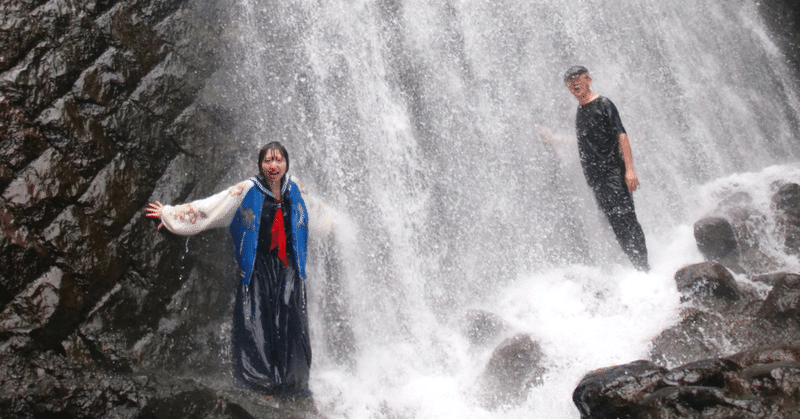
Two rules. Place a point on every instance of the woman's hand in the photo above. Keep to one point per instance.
(154, 210)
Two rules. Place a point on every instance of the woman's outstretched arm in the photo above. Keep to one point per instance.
(212, 212)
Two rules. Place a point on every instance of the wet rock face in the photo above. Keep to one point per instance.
(103, 106)
(616, 391)
(752, 384)
(735, 234)
(707, 280)
(716, 239)
(722, 313)
(783, 19)
(786, 203)
(39, 317)
(515, 367)
(782, 306)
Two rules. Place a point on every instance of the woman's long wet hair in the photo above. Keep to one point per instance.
(275, 145)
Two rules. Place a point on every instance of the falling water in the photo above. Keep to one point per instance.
(419, 123)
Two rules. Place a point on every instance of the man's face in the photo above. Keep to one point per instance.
(579, 86)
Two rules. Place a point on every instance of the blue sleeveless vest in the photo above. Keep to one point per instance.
(245, 224)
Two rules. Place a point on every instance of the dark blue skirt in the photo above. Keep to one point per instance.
(271, 346)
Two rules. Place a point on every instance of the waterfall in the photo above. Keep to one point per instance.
(419, 124)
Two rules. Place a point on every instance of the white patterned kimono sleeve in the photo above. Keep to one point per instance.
(204, 214)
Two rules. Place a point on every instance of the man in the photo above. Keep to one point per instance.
(607, 163)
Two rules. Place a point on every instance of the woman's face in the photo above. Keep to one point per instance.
(273, 166)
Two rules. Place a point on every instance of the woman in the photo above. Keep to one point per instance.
(269, 223)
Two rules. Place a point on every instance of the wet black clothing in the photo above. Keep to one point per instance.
(616, 202)
(271, 345)
(598, 127)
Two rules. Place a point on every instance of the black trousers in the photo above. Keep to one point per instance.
(616, 202)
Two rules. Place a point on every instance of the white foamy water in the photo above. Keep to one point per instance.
(418, 126)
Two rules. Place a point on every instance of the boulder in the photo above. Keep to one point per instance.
(773, 278)
(615, 392)
(786, 203)
(740, 234)
(752, 384)
(483, 327)
(698, 402)
(752, 357)
(696, 336)
(704, 281)
(709, 372)
(515, 367)
(783, 302)
(716, 239)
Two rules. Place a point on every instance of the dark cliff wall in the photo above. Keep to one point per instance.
(783, 19)
(103, 105)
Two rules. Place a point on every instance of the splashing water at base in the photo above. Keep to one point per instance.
(582, 317)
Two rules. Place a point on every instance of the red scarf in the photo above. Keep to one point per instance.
(279, 235)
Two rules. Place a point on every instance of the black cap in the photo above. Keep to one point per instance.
(575, 71)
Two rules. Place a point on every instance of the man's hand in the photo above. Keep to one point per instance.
(630, 175)
(631, 180)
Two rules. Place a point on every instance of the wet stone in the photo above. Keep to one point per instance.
(22, 257)
(715, 238)
(786, 202)
(22, 140)
(514, 368)
(115, 194)
(707, 280)
(39, 314)
(85, 247)
(124, 23)
(50, 70)
(773, 279)
(41, 189)
(74, 128)
(19, 32)
(706, 373)
(111, 77)
(783, 302)
(483, 327)
(766, 356)
(705, 402)
(616, 391)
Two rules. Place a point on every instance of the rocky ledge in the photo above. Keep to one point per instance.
(735, 353)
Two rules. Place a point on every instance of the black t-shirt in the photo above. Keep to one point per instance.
(598, 127)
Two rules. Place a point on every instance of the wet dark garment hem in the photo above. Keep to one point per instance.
(282, 391)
